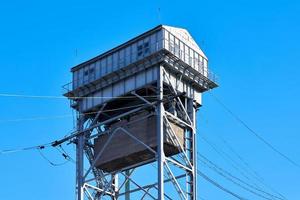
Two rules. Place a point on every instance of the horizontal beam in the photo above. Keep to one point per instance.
(151, 185)
(77, 133)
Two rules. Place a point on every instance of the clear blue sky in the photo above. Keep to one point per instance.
(253, 46)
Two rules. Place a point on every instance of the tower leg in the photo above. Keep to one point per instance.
(115, 186)
(80, 161)
(160, 136)
(127, 186)
(193, 155)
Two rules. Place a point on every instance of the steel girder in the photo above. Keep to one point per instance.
(95, 184)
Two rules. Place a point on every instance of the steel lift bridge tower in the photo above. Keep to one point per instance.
(136, 118)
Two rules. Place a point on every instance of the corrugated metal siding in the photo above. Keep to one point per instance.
(137, 81)
(132, 53)
(121, 58)
(184, 52)
(137, 51)
(119, 88)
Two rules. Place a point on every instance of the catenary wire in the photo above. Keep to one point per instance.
(50, 162)
(221, 153)
(226, 158)
(249, 170)
(42, 146)
(75, 97)
(216, 184)
(255, 174)
(234, 164)
(26, 148)
(243, 187)
(65, 116)
(238, 119)
(54, 164)
(65, 154)
(230, 177)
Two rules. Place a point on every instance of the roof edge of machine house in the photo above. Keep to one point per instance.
(159, 27)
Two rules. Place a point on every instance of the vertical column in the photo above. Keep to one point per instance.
(115, 186)
(80, 159)
(193, 155)
(160, 135)
(127, 186)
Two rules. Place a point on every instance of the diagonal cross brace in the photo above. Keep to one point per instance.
(178, 100)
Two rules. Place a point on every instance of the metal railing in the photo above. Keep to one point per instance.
(132, 58)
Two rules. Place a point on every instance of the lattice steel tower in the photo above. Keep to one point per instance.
(136, 117)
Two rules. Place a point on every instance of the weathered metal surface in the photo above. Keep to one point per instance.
(118, 58)
(123, 151)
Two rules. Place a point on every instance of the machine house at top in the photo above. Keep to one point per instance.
(110, 74)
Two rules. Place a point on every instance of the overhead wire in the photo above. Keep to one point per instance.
(255, 174)
(65, 154)
(243, 187)
(238, 119)
(218, 185)
(227, 158)
(74, 97)
(67, 115)
(68, 158)
(7, 151)
(249, 170)
(51, 162)
(39, 147)
(237, 181)
(236, 166)
(245, 163)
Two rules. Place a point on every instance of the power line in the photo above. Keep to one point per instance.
(66, 116)
(42, 146)
(256, 175)
(76, 97)
(36, 118)
(39, 148)
(50, 162)
(253, 173)
(234, 179)
(65, 154)
(254, 132)
(221, 153)
(219, 186)
(243, 187)
(234, 164)
(55, 143)
(226, 157)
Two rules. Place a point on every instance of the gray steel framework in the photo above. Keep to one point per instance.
(93, 183)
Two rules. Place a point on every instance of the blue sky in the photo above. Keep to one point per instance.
(253, 46)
